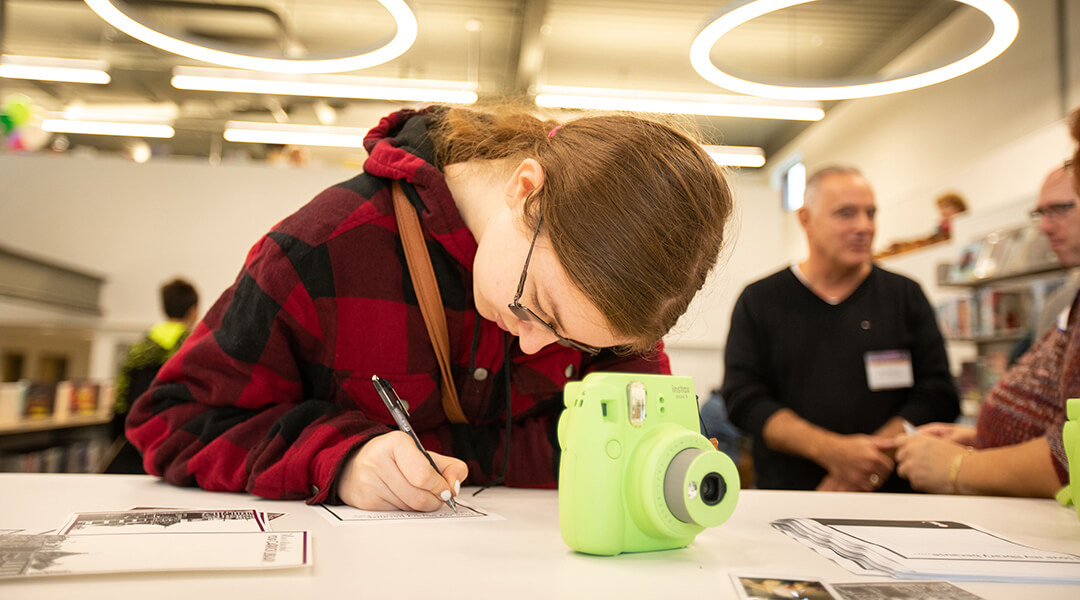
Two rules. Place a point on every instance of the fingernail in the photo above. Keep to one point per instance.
(457, 487)
(445, 495)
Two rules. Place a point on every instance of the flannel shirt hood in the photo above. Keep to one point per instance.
(399, 147)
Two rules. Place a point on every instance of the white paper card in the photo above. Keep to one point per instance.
(37, 555)
(889, 370)
(163, 521)
(348, 514)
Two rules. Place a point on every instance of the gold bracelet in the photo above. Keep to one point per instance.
(954, 469)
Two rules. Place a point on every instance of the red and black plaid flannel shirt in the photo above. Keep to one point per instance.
(273, 389)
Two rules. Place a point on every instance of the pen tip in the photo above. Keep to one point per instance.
(374, 377)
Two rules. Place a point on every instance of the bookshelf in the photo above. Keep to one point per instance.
(50, 423)
(1003, 288)
(53, 417)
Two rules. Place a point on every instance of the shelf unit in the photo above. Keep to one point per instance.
(995, 315)
(49, 317)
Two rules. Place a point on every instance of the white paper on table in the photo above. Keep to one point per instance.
(341, 515)
(37, 555)
(269, 516)
(931, 550)
(163, 521)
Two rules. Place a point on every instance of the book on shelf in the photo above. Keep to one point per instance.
(1003, 312)
(13, 400)
(77, 398)
(40, 400)
(1003, 252)
(956, 317)
(78, 456)
(27, 400)
(964, 267)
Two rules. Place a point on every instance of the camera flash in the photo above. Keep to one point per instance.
(635, 396)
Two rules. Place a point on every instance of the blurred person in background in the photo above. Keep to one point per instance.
(180, 303)
(827, 359)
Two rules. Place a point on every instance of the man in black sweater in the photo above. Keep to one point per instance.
(827, 360)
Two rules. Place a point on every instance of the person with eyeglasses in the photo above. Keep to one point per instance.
(827, 360)
(1015, 448)
(558, 250)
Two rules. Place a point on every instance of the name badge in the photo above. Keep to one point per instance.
(889, 370)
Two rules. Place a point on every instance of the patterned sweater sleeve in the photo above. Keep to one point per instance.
(245, 404)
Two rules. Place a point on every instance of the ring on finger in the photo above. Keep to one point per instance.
(874, 479)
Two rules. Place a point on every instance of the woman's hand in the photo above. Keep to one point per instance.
(926, 461)
(957, 434)
(390, 473)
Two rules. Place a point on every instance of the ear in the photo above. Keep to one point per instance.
(527, 178)
(804, 216)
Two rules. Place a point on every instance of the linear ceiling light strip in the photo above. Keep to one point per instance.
(324, 86)
(43, 68)
(736, 156)
(717, 105)
(402, 41)
(1003, 17)
(153, 130)
(300, 135)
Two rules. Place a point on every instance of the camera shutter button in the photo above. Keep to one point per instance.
(613, 449)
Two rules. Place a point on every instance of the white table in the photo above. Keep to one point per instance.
(522, 556)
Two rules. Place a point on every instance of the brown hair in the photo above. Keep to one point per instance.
(952, 199)
(634, 210)
(177, 298)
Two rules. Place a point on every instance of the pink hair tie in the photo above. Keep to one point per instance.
(551, 133)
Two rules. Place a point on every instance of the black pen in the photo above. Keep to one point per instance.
(401, 416)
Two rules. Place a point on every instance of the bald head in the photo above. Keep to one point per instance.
(814, 183)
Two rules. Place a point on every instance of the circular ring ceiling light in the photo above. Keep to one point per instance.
(1002, 16)
(402, 41)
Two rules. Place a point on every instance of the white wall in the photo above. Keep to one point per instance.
(754, 248)
(142, 224)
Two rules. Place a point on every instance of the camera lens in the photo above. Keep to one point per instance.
(712, 488)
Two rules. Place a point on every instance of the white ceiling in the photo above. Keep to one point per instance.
(635, 44)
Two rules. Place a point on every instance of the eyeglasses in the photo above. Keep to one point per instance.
(524, 313)
(1052, 211)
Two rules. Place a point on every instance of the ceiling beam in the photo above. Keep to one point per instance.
(526, 48)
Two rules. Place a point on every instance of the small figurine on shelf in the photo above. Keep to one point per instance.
(949, 205)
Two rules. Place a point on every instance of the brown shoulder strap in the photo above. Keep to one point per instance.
(427, 293)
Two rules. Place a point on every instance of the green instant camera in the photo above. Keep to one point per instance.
(636, 474)
(1071, 439)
